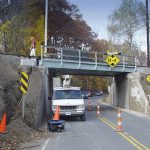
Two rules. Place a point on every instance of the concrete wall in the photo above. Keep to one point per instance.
(38, 107)
(52, 82)
(35, 108)
(121, 92)
(11, 59)
(127, 92)
(49, 93)
(138, 100)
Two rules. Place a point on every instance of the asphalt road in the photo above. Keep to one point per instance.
(98, 133)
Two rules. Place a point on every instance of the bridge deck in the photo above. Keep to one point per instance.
(68, 61)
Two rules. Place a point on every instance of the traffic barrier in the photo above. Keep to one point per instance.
(119, 127)
(56, 116)
(98, 110)
(3, 124)
(89, 105)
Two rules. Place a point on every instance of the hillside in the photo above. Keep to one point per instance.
(10, 96)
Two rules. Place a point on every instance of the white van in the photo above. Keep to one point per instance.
(70, 101)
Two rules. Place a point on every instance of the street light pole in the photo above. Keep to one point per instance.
(46, 20)
(147, 29)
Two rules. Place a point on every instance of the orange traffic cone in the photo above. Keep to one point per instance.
(89, 105)
(3, 124)
(56, 116)
(119, 127)
(98, 110)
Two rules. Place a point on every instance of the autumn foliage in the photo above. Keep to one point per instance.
(22, 19)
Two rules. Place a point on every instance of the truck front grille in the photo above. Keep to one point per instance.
(68, 107)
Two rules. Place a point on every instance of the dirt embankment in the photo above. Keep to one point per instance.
(10, 96)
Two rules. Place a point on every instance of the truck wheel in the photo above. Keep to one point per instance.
(82, 117)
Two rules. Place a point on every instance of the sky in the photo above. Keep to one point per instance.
(96, 13)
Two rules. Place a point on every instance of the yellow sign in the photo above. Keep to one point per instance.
(24, 82)
(112, 60)
(148, 78)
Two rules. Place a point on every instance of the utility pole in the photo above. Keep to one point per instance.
(147, 29)
(46, 20)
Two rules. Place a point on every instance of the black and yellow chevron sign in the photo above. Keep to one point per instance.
(24, 82)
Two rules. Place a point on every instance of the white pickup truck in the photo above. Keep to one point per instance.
(70, 102)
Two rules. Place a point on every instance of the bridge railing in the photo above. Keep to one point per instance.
(82, 56)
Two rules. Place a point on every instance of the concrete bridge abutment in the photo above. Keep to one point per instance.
(127, 92)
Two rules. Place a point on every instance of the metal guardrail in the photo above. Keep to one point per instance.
(82, 56)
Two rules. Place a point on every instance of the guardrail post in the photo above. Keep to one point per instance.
(79, 58)
(61, 55)
(95, 60)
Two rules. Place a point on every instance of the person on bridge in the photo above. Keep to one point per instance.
(33, 47)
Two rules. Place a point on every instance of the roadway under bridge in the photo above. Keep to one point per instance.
(125, 91)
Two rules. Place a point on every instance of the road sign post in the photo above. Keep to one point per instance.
(23, 106)
(24, 86)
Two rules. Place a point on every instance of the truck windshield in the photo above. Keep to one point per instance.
(67, 94)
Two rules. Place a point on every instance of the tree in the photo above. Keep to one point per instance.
(126, 21)
(10, 8)
(26, 20)
(66, 28)
(65, 24)
(93, 83)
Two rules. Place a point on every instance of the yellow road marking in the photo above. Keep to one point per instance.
(129, 138)
(113, 127)
(130, 141)
(135, 140)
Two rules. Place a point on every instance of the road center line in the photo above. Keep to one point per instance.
(126, 136)
(129, 136)
(45, 144)
(120, 133)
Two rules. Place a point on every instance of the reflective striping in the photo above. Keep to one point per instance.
(119, 123)
(24, 82)
(25, 79)
(23, 86)
(23, 90)
(126, 136)
(119, 114)
(25, 75)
